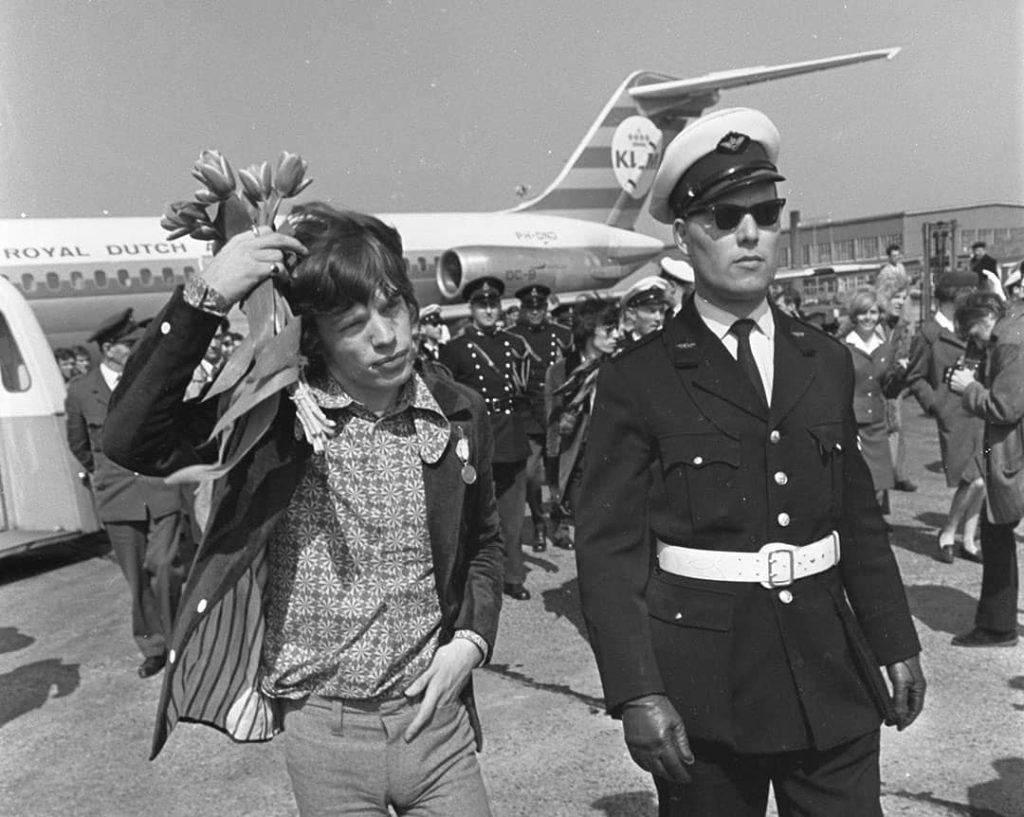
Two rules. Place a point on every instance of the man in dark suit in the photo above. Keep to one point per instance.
(744, 647)
(496, 364)
(349, 578)
(550, 342)
(142, 515)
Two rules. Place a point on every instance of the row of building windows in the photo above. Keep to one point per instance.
(146, 277)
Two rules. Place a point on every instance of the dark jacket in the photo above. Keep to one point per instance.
(932, 351)
(121, 495)
(550, 342)
(679, 443)
(212, 671)
(488, 364)
(1000, 403)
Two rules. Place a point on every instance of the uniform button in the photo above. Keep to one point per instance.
(678, 616)
(774, 437)
(784, 519)
(165, 327)
(201, 607)
(785, 596)
(870, 393)
(839, 447)
(171, 656)
(781, 478)
(698, 460)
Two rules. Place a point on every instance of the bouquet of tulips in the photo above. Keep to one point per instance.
(268, 361)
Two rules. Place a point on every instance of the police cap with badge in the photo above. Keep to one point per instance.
(676, 270)
(431, 315)
(534, 296)
(721, 152)
(486, 290)
(119, 328)
(648, 290)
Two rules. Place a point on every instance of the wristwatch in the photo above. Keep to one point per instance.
(202, 296)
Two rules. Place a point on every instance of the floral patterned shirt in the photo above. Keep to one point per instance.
(353, 610)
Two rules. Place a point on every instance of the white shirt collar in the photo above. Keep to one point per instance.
(869, 345)
(720, 322)
(110, 377)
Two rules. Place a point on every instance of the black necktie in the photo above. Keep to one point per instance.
(745, 357)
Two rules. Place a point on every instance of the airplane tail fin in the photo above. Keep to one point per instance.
(608, 176)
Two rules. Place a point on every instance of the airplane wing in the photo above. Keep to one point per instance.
(690, 96)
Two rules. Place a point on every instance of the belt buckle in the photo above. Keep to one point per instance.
(781, 564)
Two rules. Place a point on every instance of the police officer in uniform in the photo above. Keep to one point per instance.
(431, 329)
(550, 343)
(643, 309)
(678, 277)
(142, 515)
(497, 364)
(741, 643)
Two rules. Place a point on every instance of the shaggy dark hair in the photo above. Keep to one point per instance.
(588, 316)
(974, 306)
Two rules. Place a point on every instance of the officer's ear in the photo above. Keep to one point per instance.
(680, 237)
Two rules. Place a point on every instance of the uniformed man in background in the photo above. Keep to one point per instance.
(679, 282)
(643, 309)
(143, 516)
(497, 364)
(431, 331)
(744, 647)
(550, 343)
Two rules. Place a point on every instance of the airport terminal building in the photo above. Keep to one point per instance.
(854, 249)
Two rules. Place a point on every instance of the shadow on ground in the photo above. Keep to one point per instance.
(28, 687)
(564, 602)
(942, 609)
(627, 804)
(12, 639)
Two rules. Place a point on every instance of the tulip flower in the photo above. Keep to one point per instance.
(214, 171)
(183, 218)
(289, 178)
(257, 184)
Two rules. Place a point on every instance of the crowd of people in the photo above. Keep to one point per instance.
(720, 467)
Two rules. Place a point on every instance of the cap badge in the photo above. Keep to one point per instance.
(733, 143)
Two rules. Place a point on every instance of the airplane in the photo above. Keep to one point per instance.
(577, 237)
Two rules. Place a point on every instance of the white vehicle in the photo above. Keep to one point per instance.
(43, 499)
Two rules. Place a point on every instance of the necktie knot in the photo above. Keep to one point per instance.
(743, 327)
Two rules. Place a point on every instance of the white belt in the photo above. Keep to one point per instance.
(774, 565)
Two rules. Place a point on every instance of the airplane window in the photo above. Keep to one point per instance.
(146, 276)
(14, 374)
(77, 280)
(53, 280)
(123, 278)
(28, 282)
(100, 277)
(189, 272)
(168, 275)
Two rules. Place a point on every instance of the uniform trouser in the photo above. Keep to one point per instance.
(840, 782)
(997, 607)
(510, 491)
(535, 478)
(351, 759)
(150, 557)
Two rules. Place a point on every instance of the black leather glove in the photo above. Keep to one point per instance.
(908, 687)
(656, 738)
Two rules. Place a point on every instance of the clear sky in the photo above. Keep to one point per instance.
(417, 105)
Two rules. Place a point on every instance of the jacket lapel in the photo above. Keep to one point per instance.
(795, 365)
(707, 369)
(444, 490)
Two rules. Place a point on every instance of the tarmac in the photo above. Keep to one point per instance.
(76, 721)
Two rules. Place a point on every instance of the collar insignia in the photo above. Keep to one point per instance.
(733, 143)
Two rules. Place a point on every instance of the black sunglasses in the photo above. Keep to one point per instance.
(727, 216)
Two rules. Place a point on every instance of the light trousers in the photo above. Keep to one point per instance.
(347, 758)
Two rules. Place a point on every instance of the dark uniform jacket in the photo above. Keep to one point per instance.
(932, 351)
(496, 366)
(550, 343)
(214, 658)
(121, 495)
(676, 420)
